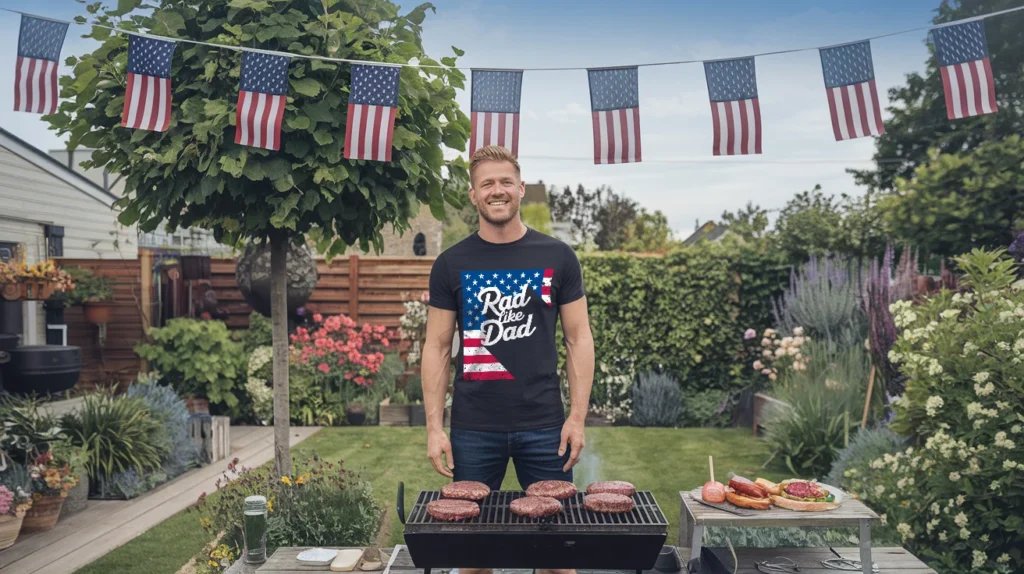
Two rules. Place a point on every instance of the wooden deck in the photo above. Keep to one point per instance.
(106, 524)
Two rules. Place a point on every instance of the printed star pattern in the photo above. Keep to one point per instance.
(372, 107)
(615, 106)
(735, 110)
(852, 95)
(962, 54)
(35, 76)
(147, 100)
(494, 112)
(375, 85)
(261, 100)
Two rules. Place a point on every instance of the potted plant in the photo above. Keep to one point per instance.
(15, 501)
(94, 294)
(355, 412)
(51, 480)
(394, 410)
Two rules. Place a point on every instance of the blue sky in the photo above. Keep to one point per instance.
(679, 175)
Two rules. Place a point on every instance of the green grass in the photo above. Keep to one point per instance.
(663, 461)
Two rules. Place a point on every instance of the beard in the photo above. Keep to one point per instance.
(499, 222)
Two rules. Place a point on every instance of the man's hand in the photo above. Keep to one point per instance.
(437, 443)
(572, 433)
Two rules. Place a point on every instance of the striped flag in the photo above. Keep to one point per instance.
(261, 100)
(615, 103)
(962, 53)
(495, 109)
(35, 77)
(372, 105)
(852, 95)
(732, 88)
(147, 103)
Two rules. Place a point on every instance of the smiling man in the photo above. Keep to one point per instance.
(505, 287)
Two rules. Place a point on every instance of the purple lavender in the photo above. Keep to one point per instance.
(1017, 252)
(876, 296)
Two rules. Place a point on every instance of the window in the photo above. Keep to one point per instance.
(54, 240)
(419, 245)
(8, 251)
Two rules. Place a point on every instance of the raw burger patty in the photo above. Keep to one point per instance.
(466, 490)
(559, 489)
(452, 509)
(608, 502)
(536, 506)
(612, 486)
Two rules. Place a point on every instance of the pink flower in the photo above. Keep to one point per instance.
(6, 499)
(749, 334)
(323, 368)
(317, 317)
(766, 372)
(758, 365)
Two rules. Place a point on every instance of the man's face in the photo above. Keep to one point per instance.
(496, 192)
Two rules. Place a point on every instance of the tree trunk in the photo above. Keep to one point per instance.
(279, 326)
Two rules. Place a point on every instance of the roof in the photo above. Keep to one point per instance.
(535, 193)
(710, 231)
(45, 162)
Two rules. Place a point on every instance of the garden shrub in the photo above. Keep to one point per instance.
(867, 445)
(823, 299)
(710, 408)
(320, 505)
(955, 496)
(656, 401)
(197, 358)
(170, 410)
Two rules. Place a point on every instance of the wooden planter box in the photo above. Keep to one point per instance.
(393, 415)
(28, 290)
(763, 405)
(212, 435)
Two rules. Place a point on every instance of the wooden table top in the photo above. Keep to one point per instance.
(850, 513)
(889, 560)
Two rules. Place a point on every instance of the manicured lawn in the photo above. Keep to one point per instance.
(663, 461)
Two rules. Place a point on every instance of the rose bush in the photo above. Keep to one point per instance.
(336, 345)
(956, 497)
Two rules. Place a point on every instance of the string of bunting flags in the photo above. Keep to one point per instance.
(961, 50)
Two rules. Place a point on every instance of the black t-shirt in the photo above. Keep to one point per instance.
(506, 296)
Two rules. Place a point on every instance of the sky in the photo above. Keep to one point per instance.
(678, 174)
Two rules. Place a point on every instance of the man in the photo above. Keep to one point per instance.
(506, 286)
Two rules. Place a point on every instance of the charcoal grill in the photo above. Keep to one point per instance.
(497, 538)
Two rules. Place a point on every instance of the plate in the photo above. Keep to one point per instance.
(839, 494)
(317, 556)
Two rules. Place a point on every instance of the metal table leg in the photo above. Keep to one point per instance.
(865, 546)
(697, 541)
(690, 533)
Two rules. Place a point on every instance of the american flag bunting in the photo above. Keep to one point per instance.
(615, 105)
(147, 101)
(495, 109)
(372, 105)
(850, 86)
(35, 77)
(735, 112)
(962, 53)
(261, 100)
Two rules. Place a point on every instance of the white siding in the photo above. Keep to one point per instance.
(32, 243)
(30, 194)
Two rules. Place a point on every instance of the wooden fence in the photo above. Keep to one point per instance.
(368, 289)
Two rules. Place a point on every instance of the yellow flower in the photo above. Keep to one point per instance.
(204, 522)
(270, 506)
(286, 480)
(212, 563)
(300, 480)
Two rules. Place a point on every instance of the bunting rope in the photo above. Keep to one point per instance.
(541, 69)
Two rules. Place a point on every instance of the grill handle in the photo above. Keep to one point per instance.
(401, 502)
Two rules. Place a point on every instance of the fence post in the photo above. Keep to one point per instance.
(353, 287)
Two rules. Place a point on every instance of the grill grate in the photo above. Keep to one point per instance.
(494, 510)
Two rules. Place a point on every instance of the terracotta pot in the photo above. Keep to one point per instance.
(197, 405)
(10, 526)
(43, 514)
(99, 313)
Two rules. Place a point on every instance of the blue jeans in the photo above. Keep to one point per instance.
(483, 456)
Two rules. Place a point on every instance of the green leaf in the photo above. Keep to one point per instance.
(285, 183)
(232, 165)
(125, 6)
(283, 216)
(322, 65)
(298, 123)
(321, 111)
(297, 148)
(167, 23)
(306, 86)
(323, 173)
(458, 52)
(323, 137)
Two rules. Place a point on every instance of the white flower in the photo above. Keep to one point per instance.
(1003, 442)
(960, 520)
(969, 347)
(1004, 557)
(933, 404)
(934, 368)
(954, 476)
(905, 530)
(902, 483)
(942, 536)
(994, 485)
(758, 365)
(960, 500)
(964, 533)
(979, 559)
(766, 342)
(879, 490)
(766, 354)
(798, 331)
(877, 463)
(935, 508)
(1016, 429)
(984, 391)
(884, 519)
(1009, 465)
(1003, 346)
(981, 377)
(950, 313)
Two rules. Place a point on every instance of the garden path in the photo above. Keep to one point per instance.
(104, 525)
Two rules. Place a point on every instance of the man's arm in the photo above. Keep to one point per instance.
(579, 362)
(434, 372)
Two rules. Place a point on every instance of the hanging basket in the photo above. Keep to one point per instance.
(10, 526)
(43, 514)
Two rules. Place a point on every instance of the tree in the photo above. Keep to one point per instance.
(959, 202)
(600, 216)
(615, 213)
(193, 175)
(749, 223)
(537, 216)
(919, 122)
(648, 233)
(808, 225)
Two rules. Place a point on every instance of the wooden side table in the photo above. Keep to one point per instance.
(694, 517)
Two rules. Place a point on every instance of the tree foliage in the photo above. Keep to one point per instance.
(599, 218)
(648, 232)
(195, 175)
(537, 216)
(958, 202)
(919, 122)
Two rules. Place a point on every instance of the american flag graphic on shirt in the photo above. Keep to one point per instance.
(495, 109)
(261, 100)
(962, 53)
(147, 101)
(372, 105)
(482, 322)
(615, 105)
(35, 73)
(850, 86)
(735, 112)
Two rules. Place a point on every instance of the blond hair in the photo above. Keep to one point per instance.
(492, 153)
